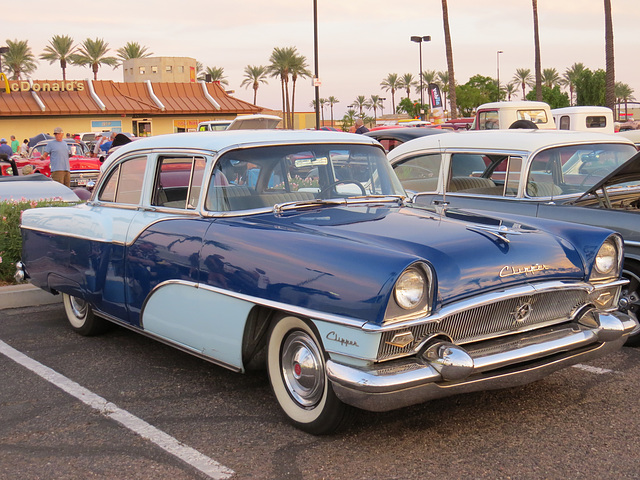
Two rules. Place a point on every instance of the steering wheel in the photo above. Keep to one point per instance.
(343, 182)
(598, 171)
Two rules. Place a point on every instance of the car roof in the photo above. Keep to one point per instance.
(405, 133)
(506, 140)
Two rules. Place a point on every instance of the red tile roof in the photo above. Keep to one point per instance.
(119, 98)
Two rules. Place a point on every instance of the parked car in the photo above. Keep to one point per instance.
(587, 178)
(390, 138)
(34, 187)
(84, 168)
(348, 294)
(504, 115)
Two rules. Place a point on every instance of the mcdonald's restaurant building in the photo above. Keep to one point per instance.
(144, 108)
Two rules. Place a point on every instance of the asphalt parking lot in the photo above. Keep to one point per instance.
(133, 408)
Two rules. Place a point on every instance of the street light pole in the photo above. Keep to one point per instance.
(498, 64)
(315, 52)
(419, 41)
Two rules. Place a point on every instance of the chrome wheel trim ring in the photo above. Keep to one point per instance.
(79, 310)
(302, 368)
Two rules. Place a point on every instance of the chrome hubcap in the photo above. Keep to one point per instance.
(79, 307)
(303, 369)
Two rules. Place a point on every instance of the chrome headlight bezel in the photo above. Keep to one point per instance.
(412, 294)
(607, 263)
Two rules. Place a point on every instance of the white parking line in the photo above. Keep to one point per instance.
(589, 368)
(192, 457)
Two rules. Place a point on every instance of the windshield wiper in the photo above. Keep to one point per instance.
(281, 207)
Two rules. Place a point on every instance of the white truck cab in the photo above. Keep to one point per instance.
(502, 115)
(584, 119)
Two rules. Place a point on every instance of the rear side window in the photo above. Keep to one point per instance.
(488, 120)
(599, 121)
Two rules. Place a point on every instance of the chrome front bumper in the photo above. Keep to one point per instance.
(443, 369)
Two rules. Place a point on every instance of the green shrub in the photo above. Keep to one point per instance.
(10, 237)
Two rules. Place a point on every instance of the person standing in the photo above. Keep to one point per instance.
(5, 149)
(360, 128)
(15, 144)
(59, 152)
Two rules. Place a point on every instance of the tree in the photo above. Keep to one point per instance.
(298, 69)
(332, 101)
(487, 86)
(624, 93)
(391, 84)
(510, 89)
(18, 59)
(590, 88)
(60, 49)
(407, 82)
(254, 75)
(281, 61)
(447, 41)
(553, 96)
(349, 119)
(524, 79)
(610, 96)
(536, 42)
(551, 77)
(93, 53)
(360, 102)
(374, 103)
(409, 107)
(132, 50)
(468, 99)
(428, 76)
(570, 76)
(216, 73)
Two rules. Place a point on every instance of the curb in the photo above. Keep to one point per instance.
(26, 295)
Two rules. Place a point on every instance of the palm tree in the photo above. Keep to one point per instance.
(570, 77)
(551, 77)
(536, 41)
(407, 81)
(524, 79)
(298, 69)
(510, 89)
(391, 84)
(132, 50)
(443, 83)
(624, 93)
(610, 77)
(281, 60)
(254, 75)
(18, 59)
(332, 101)
(428, 76)
(216, 73)
(449, 50)
(374, 103)
(360, 102)
(93, 53)
(60, 49)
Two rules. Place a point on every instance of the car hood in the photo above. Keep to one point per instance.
(627, 172)
(34, 187)
(471, 253)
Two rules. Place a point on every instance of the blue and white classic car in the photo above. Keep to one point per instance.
(298, 250)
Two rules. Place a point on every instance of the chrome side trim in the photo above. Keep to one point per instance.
(301, 311)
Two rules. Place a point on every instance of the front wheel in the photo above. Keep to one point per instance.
(82, 318)
(632, 293)
(297, 373)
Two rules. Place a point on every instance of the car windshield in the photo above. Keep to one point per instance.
(576, 168)
(262, 177)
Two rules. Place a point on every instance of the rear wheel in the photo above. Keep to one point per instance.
(82, 318)
(297, 372)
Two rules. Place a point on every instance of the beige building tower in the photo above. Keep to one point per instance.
(160, 69)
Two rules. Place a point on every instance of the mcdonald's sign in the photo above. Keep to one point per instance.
(7, 88)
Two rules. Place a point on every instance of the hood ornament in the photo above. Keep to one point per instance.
(498, 231)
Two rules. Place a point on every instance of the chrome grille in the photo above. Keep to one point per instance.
(492, 320)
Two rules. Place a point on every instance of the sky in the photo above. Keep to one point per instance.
(359, 43)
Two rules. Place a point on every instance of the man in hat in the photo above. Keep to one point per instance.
(5, 149)
(59, 152)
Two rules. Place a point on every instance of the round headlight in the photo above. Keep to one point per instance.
(607, 259)
(411, 289)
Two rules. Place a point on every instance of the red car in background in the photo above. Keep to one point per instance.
(84, 169)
